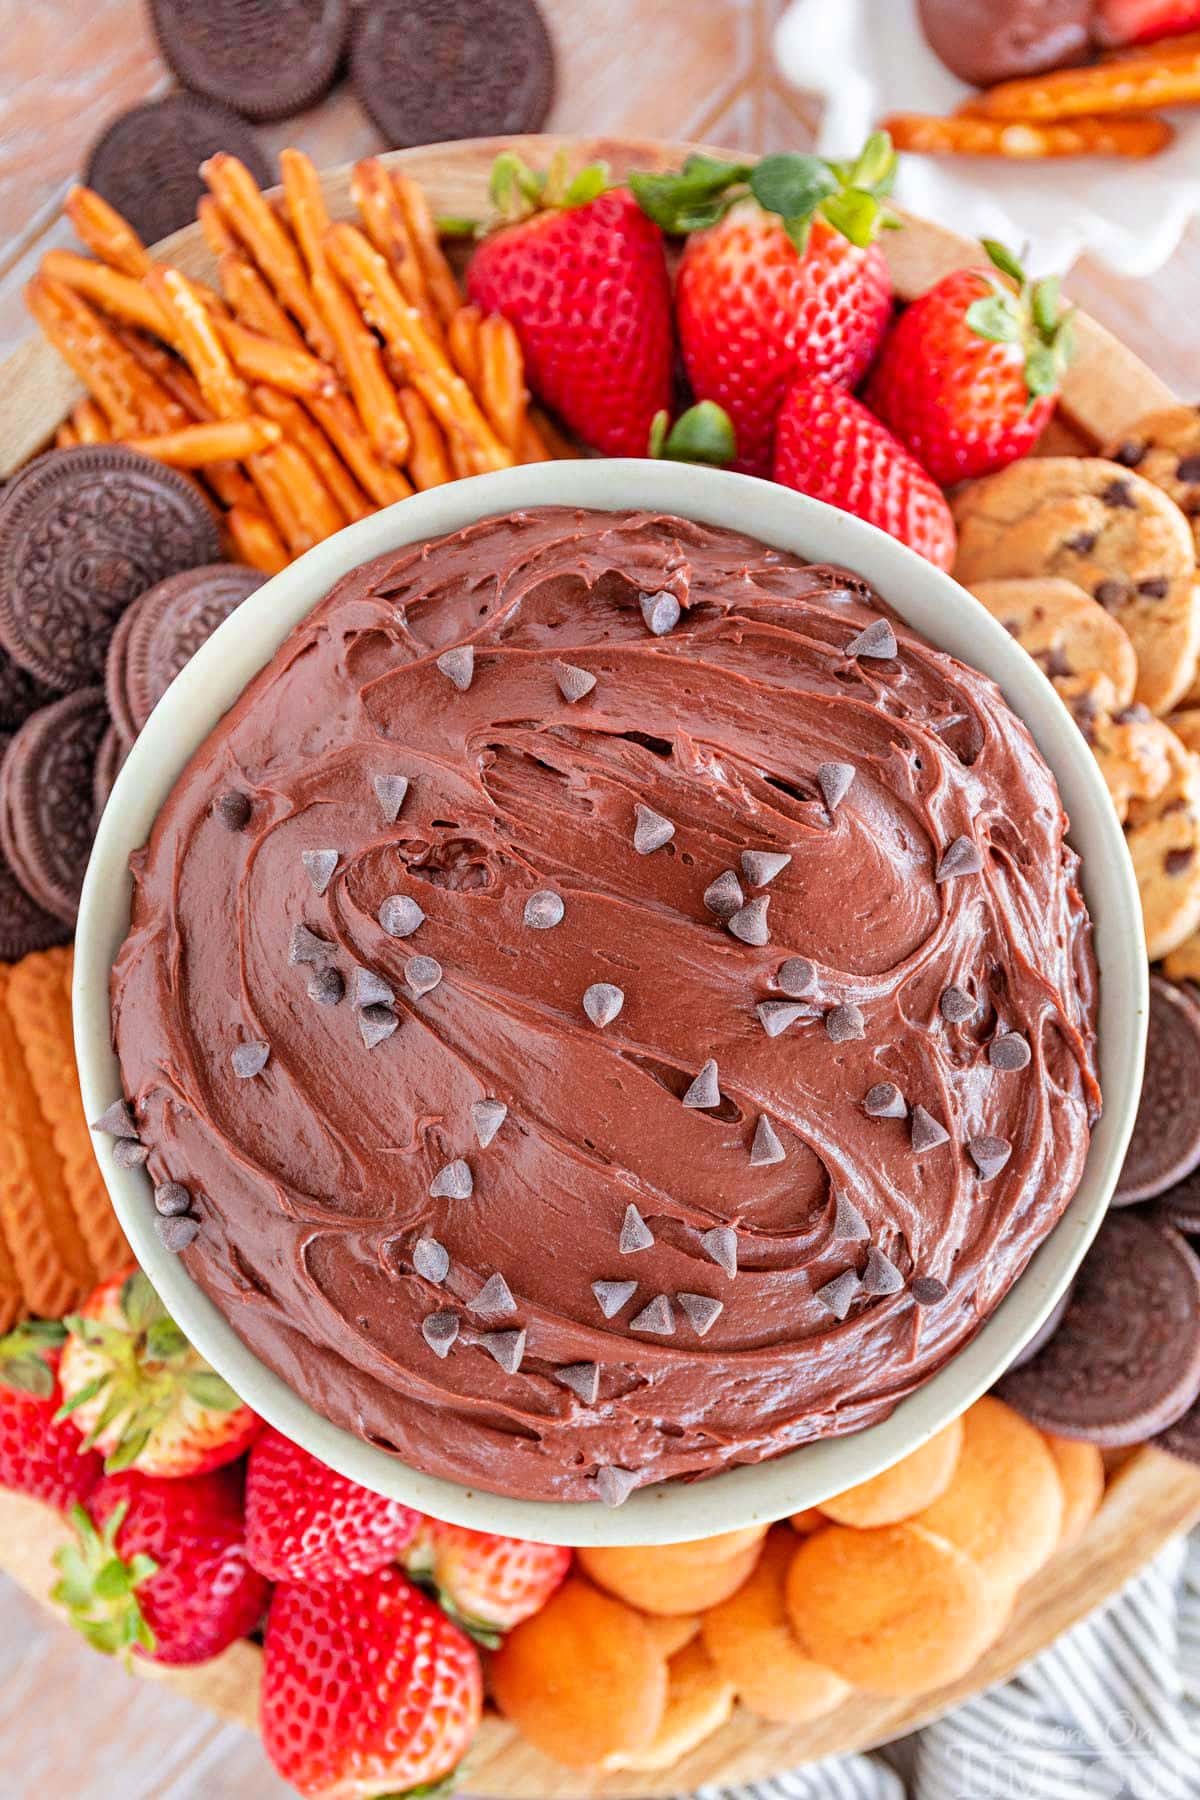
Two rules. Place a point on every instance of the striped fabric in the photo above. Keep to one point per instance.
(1111, 1712)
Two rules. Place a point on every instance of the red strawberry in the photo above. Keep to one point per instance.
(790, 284)
(488, 1583)
(39, 1455)
(368, 1689)
(159, 1568)
(1137, 21)
(585, 284)
(136, 1389)
(304, 1522)
(969, 374)
(828, 445)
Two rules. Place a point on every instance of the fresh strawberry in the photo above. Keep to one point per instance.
(39, 1455)
(304, 1522)
(159, 1569)
(1138, 21)
(584, 281)
(488, 1583)
(135, 1388)
(789, 284)
(368, 1689)
(969, 374)
(828, 445)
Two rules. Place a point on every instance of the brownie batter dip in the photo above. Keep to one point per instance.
(618, 1001)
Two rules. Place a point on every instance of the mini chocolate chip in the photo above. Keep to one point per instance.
(927, 1132)
(487, 1116)
(422, 974)
(1188, 468)
(761, 866)
(837, 1295)
(635, 1233)
(233, 809)
(458, 666)
(959, 858)
(602, 1002)
(431, 1260)
(175, 1234)
(116, 1120)
(505, 1347)
(304, 946)
(249, 1059)
(927, 1290)
(1054, 662)
(885, 1101)
(1178, 862)
(453, 1182)
(611, 1296)
(795, 976)
(439, 1331)
(881, 1276)
(844, 1023)
(876, 640)
(129, 1154)
(956, 1005)
(1083, 543)
(1009, 1051)
(172, 1199)
(651, 831)
(573, 684)
(989, 1154)
(700, 1310)
(1136, 714)
(376, 1024)
(326, 985)
(494, 1299)
(723, 897)
(835, 780)
(399, 915)
(848, 1223)
(544, 910)
(661, 612)
(705, 1090)
(722, 1245)
(1130, 453)
(766, 1148)
(749, 923)
(1119, 493)
(319, 866)
(655, 1316)
(390, 791)
(1156, 588)
(582, 1378)
(614, 1485)
(371, 989)
(776, 1015)
(1112, 593)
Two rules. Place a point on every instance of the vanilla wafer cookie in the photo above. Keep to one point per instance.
(36, 1214)
(39, 1005)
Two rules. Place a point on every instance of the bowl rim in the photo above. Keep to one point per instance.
(928, 599)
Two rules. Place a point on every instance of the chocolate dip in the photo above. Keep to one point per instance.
(791, 1265)
(985, 41)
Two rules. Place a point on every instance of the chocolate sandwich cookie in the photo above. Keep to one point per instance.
(147, 162)
(1165, 1146)
(83, 533)
(170, 624)
(114, 748)
(115, 690)
(1044, 1332)
(1181, 1204)
(20, 693)
(24, 925)
(266, 62)
(46, 800)
(1125, 1362)
(426, 70)
(1182, 1439)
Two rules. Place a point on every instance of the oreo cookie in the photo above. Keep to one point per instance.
(1183, 1438)
(428, 70)
(20, 693)
(170, 623)
(266, 62)
(82, 533)
(24, 925)
(1044, 1332)
(115, 689)
(1181, 1204)
(147, 162)
(1125, 1362)
(1165, 1146)
(114, 748)
(46, 800)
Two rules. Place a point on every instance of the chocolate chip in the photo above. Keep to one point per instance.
(1188, 468)
(1083, 543)
(453, 1182)
(439, 1331)
(705, 1091)
(1119, 493)
(877, 640)
(458, 666)
(959, 858)
(494, 1299)
(602, 1002)
(613, 1485)
(651, 831)
(129, 1154)
(175, 1234)
(233, 809)
(249, 1059)
(761, 866)
(376, 1024)
(849, 1226)
(700, 1310)
(1054, 662)
(776, 1015)
(635, 1233)
(655, 1316)
(838, 1294)
(487, 1116)
(835, 780)
(544, 910)
(927, 1132)
(431, 1260)
(1130, 453)
(989, 1154)
(573, 683)
(326, 985)
(304, 946)
(371, 989)
(611, 1296)
(1156, 588)
(116, 1120)
(749, 923)
(845, 1022)
(723, 897)
(721, 1244)
(795, 976)
(661, 612)
(1112, 593)
(1009, 1051)
(766, 1148)
(885, 1101)
(1136, 714)
(926, 1290)
(956, 1005)
(583, 1379)
(171, 1199)
(422, 974)
(1178, 862)
(400, 915)
(881, 1276)
(390, 791)
(319, 866)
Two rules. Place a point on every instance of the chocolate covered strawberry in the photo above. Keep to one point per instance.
(487, 1582)
(305, 1522)
(40, 1454)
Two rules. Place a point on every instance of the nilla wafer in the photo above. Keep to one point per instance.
(699, 1701)
(1004, 1505)
(895, 1609)
(811, 1519)
(898, 1492)
(1080, 1469)
(583, 1679)
(676, 1578)
(750, 1639)
(672, 1632)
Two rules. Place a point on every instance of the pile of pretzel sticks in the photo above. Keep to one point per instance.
(334, 369)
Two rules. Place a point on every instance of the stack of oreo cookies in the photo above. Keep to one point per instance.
(100, 550)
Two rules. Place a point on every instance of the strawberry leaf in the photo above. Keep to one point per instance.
(703, 434)
(692, 198)
(82, 1396)
(589, 184)
(658, 432)
(1002, 258)
(1042, 372)
(127, 1451)
(99, 1588)
(994, 318)
(855, 213)
(23, 1363)
(139, 1302)
(876, 166)
(207, 1388)
(792, 186)
(164, 1340)
(1045, 301)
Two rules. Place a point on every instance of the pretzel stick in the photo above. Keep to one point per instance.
(216, 233)
(121, 296)
(227, 481)
(462, 335)
(534, 448)
(502, 379)
(193, 446)
(251, 219)
(1024, 139)
(428, 463)
(255, 540)
(296, 424)
(439, 277)
(385, 224)
(1127, 86)
(423, 361)
(260, 358)
(106, 234)
(1181, 45)
(111, 375)
(90, 425)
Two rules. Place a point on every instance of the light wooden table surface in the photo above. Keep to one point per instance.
(71, 1724)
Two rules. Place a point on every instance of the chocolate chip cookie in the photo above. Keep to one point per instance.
(1131, 746)
(1163, 834)
(1067, 633)
(1111, 532)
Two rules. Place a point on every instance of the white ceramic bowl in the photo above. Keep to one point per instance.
(932, 603)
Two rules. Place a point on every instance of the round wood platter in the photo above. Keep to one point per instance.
(1149, 1499)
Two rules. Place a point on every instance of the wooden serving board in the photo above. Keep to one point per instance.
(1149, 1500)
